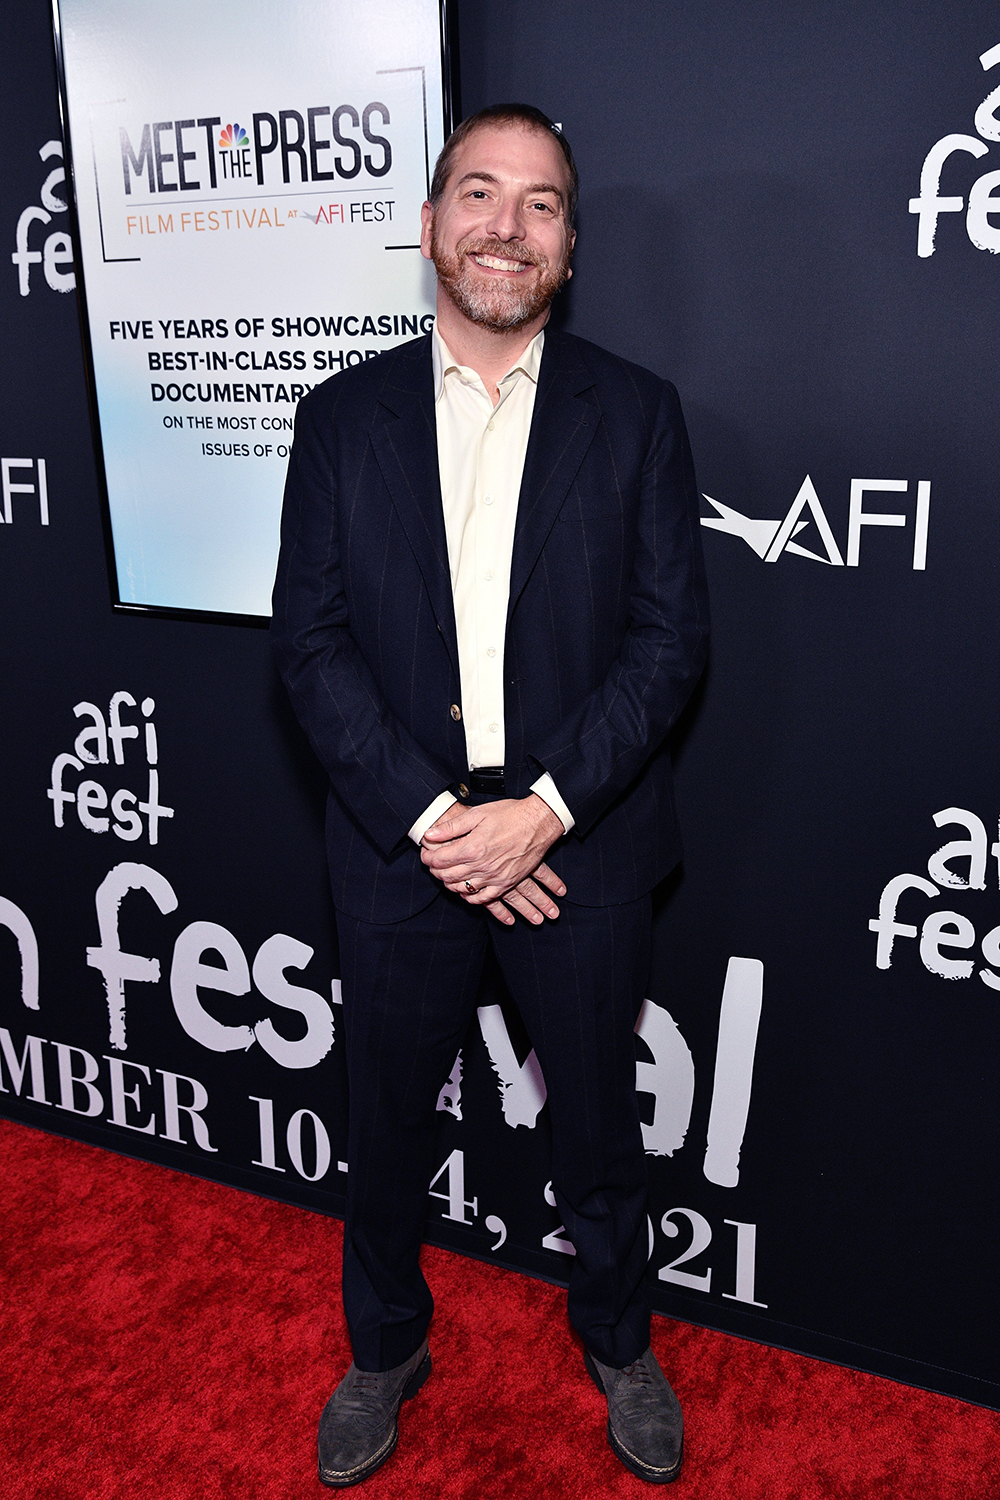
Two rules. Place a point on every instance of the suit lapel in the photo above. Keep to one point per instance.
(404, 437)
(563, 425)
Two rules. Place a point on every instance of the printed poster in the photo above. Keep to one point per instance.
(248, 186)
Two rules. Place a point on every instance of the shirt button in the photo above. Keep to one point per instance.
(488, 576)
(494, 728)
(490, 426)
(455, 712)
(487, 499)
(491, 651)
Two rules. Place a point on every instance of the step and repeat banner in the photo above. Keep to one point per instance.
(797, 219)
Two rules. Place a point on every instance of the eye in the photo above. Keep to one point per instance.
(545, 207)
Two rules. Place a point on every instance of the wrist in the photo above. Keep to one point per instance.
(546, 820)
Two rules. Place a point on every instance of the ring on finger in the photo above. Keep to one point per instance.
(470, 888)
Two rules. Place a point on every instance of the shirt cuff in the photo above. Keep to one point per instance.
(546, 788)
(430, 815)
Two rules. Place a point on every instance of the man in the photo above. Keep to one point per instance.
(489, 611)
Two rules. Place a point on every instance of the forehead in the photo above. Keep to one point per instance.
(511, 153)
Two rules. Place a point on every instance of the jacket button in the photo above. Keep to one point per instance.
(463, 790)
(456, 712)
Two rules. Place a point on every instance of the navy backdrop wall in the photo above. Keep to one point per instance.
(816, 1061)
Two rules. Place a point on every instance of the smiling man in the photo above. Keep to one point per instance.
(489, 611)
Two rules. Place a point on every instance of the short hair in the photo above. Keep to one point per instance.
(525, 115)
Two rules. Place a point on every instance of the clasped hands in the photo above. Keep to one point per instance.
(493, 856)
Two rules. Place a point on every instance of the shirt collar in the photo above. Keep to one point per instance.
(444, 361)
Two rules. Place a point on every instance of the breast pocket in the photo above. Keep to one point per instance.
(590, 510)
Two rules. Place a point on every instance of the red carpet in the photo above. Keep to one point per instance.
(165, 1336)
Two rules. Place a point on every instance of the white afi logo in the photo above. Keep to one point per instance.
(57, 249)
(769, 539)
(982, 204)
(943, 929)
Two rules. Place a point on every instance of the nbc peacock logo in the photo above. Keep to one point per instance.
(234, 152)
(232, 138)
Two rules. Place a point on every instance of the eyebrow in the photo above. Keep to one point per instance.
(536, 187)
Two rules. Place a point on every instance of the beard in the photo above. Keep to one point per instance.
(502, 306)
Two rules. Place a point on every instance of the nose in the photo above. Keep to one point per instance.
(506, 221)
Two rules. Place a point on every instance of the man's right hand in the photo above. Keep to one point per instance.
(529, 898)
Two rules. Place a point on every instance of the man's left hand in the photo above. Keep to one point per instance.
(495, 849)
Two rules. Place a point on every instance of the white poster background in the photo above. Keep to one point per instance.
(191, 289)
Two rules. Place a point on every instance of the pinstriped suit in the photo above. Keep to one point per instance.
(606, 634)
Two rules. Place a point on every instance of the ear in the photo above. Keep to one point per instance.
(426, 230)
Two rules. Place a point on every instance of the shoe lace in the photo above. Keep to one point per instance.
(363, 1396)
(637, 1374)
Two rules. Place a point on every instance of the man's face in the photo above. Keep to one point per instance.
(499, 239)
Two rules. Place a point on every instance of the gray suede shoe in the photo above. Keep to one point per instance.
(358, 1428)
(645, 1426)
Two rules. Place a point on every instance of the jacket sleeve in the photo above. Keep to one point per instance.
(384, 777)
(603, 744)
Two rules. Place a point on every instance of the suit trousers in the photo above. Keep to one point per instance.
(409, 992)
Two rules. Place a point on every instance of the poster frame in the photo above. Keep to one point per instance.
(447, 22)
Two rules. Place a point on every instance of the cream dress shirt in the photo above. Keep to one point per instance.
(481, 450)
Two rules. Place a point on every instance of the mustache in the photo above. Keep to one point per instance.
(502, 249)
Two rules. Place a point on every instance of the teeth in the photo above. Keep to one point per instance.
(494, 264)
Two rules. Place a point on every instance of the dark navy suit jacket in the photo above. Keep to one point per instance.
(606, 625)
